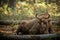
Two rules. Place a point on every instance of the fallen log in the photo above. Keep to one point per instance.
(9, 22)
(30, 37)
(2, 22)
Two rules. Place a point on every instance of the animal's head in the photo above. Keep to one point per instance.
(42, 17)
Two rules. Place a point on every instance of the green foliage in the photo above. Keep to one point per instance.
(24, 10)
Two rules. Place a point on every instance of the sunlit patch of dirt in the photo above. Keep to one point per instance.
(6, 30)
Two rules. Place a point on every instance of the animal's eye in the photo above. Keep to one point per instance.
(39, 22)
(44, 22)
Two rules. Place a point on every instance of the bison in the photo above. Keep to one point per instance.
(40, 25)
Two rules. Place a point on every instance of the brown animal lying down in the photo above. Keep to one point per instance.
(39, 25)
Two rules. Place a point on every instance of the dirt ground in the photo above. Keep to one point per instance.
(7, 29)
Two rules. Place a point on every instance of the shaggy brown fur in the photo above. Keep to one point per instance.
(41, 25)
